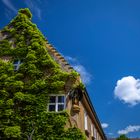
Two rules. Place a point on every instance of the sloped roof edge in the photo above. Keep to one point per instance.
(94, 112)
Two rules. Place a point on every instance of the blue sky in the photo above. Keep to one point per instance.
(101, 39)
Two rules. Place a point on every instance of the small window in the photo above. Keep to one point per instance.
(56, 103)
(95, 133)
(60, 107)
(92, 130)
(51, 107)
(52, 99)
(17, 64)
(85, 121)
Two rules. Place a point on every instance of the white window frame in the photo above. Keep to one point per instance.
(92, 130)
(85, 120)
(56, 102)
(95, 133)
(17, 65)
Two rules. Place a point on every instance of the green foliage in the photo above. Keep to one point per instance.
(26, 11)
(74, 74)
(12, 131)
(24, 93)
(80, 86)
(122, 137)
(74, 134)
(5, 47)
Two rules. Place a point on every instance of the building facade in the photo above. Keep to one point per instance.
(76, 102)
(82, 112)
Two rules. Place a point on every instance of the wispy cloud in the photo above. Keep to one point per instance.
(9, 5)
(8, 14)
(128, 90)
(85, 75)
(71, 59)
(105, 125)
(110, 134)
(130, 128)
(33, 6)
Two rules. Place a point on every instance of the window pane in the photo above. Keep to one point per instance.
(91, 129)
(52, 99)
(60, 107)
(85, 119)
(15, 67)
(16, 62)
(95, 132)
(60, 99)
(51, 107)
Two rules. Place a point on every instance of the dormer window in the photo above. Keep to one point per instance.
(17, 64)
(56, 103)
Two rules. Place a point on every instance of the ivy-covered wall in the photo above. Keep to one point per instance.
(24, 93)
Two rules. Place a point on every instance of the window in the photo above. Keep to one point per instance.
(16, 64)
(85, 121)
(91, 130)
(95, 133)
(56, 103)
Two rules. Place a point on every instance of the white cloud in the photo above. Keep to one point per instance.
(85, 75)
(32, 5)
(104, 125)
(9, 5)
(129, 129)
(71, 59)
(128, 90)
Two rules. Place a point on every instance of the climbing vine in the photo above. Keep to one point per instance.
(24, 93)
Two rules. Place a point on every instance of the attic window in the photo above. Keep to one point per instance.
(56, 103)
(17, 64)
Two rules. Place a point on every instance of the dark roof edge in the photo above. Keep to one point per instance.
(92, 108)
